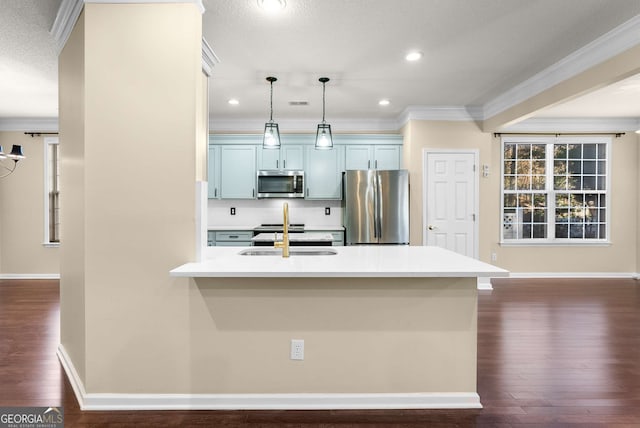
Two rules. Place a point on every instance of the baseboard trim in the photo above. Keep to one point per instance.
(29, 276)
(632, 275)
(453, 400)
(484, 283)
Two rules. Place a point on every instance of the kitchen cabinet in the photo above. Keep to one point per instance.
(323, 173)
(372, 156)
(213, 172)
(230, 238)
(238, 172)
(288, 157)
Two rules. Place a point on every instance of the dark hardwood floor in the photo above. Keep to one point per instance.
(551, 353)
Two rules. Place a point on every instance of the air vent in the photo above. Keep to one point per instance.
(298, 103)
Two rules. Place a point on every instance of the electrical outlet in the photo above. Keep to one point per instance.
(494, 257)
(327, 211)
(233, 211)
(297, 349)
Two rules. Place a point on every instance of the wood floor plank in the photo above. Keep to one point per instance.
(551, 353)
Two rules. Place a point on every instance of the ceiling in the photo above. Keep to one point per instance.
(474, 51)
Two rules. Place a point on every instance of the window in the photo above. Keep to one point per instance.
(555, 189)
(52, 192)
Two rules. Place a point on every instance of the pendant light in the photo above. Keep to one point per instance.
(271, 138)
(323, 135)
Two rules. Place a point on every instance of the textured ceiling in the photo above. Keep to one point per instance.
(474, 50)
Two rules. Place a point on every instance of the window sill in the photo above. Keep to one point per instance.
(555, 244)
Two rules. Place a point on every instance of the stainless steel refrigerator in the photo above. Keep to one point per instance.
(376, 206)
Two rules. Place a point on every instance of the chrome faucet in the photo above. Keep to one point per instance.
(284, 244)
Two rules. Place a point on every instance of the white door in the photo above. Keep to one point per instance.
(451, 201)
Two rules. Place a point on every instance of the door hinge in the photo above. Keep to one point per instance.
(473, 216)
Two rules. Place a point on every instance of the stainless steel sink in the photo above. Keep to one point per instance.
(300, 251)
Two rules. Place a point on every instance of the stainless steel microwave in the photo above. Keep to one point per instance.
(280, 184)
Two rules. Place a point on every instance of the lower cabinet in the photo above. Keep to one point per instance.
(230, 238)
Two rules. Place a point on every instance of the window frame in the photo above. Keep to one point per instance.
(551, 193)
(48, 141)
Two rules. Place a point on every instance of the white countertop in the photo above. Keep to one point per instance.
(293, 237)
(250, 227)
(351, 261)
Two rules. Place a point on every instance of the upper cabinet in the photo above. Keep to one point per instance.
(372, 156)
(238, 172)
(323, 173)
(213, 172)
(234, 160)
(288, 157)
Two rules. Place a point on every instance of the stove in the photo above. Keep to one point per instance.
(278, 227)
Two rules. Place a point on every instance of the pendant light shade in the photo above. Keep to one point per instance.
(324, 140)
(271, 139)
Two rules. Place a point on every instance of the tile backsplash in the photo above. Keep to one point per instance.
(250, 213)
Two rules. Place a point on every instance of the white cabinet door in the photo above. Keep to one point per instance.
(358, 157)
(386, 157)
(323, 173)
(238, 172)
(213, 172)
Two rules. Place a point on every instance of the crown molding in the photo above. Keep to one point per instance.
(583, 124)
(450, 113)
(616, 41)
(69, 12)
(303, 125)
(43, 124)
(209, 58)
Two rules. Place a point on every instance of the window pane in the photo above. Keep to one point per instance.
(602, 183)
(602, 167)
(509, 167)
(509, 183)
(560, 182)
(589, 167)
(509, 151)
(589, 151)
(538, 182)
(538, 151)
(562, 231)
(509, 201)
(603, 231)
(560, 151)
(524, 183)
(540, 231)
(576, 231)
(524, 151)
(575, 151)
(573, 183)
(524, 167)
(575, 167)
(589, 182)
(602, 151)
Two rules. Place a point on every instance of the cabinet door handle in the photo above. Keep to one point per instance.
(253, 193)
(307, 192)
(369, 164)
(233, 236)
(277, 164)
(376, 164)
(215, 192)
(284, 164)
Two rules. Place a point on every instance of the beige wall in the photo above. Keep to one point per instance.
(22, 212)
(619, 257)
(362, 335)
(131, 94)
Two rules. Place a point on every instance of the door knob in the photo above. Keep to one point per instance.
(432, 227)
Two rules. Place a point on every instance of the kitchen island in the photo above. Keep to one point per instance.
(383, 327)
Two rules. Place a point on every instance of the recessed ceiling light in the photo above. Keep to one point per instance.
(413, 56)
(272, 6)
(383, 102)
(233, 102)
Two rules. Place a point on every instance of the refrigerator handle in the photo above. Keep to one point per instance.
(378, 208)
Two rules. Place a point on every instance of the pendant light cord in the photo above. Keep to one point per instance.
(323, 88)
(271, 102)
